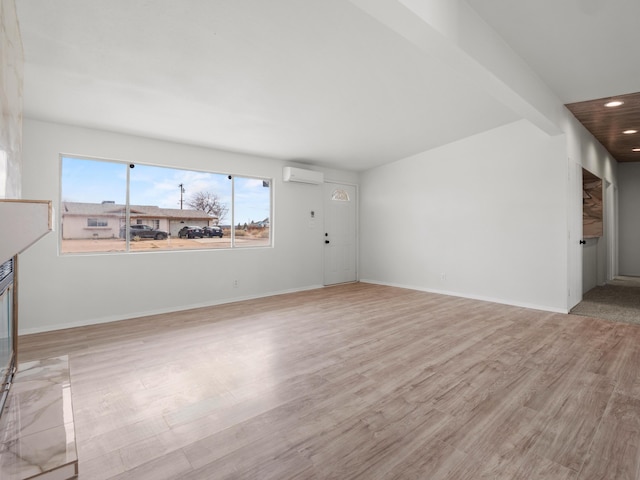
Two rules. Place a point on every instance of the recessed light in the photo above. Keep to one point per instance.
(614, 103)
(629, 132)
(636, 150)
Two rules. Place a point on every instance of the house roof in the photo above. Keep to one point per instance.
(137, 211)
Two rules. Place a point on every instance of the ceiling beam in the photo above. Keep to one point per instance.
(454, 33)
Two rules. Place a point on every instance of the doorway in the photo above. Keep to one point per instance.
(605, 294)
(340, 242)
(593, 241)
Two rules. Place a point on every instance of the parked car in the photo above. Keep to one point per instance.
(213, 231)
(191, 232)
(144, 231)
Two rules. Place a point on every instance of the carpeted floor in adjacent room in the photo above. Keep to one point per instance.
(618, 300)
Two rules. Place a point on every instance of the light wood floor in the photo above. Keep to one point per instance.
(355, 381)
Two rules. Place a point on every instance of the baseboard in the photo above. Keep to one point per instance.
(544, 308)
(130, 316)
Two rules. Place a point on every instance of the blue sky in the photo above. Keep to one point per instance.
(93, 181)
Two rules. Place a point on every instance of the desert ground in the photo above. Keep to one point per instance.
(171, 243)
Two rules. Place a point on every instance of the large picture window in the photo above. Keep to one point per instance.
(109, 206)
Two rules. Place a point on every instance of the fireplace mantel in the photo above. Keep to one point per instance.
(30, 445)
(23, 223)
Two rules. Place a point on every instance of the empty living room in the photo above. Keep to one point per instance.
(346, 239)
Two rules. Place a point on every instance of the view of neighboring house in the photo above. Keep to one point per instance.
(105, 220)
(262, 224)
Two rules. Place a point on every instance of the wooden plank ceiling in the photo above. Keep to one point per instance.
(607, 124)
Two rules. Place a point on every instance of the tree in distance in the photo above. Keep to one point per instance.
(209, 203)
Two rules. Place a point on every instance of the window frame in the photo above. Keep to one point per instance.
(126, 219)
(99, 223)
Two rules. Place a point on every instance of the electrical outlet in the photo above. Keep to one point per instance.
(235, 284)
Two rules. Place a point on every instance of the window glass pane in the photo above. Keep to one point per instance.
(168, 209)
(340, 195)
(252, 212)
(175, 209)
(93, 196)
(97, 222)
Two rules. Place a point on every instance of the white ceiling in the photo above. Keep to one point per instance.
(582, 49)
(315, 81)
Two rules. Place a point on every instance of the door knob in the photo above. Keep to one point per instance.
(583, 242)
(327, 241)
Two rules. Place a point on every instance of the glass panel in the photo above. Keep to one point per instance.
(97, 190)
(177, 209)
(168, 208)
(252, 212)
(340, 195)
(5, 335)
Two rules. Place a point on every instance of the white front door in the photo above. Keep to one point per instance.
(340, 233)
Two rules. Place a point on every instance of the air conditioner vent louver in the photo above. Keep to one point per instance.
(301, 175)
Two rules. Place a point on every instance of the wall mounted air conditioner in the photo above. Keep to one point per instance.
(301, 175)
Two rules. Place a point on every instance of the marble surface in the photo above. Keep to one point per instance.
(37, 432)
(11, 93)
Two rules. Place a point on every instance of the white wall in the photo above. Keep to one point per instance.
(455, 32)
(488, 212)
(62, 291)
(583, 148)
(629, 197)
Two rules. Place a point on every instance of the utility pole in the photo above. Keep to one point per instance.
(181, 193)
